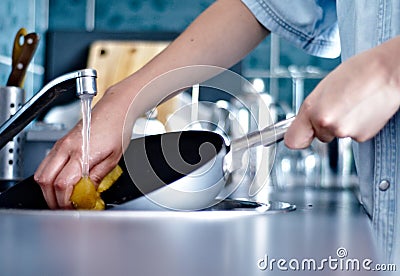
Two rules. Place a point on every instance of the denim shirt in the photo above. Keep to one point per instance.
(315, 25)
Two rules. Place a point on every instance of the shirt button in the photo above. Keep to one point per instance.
(384, 185)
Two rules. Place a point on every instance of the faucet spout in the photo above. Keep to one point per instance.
(86, 86)
(81, 82)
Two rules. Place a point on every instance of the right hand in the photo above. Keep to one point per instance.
(62, 168)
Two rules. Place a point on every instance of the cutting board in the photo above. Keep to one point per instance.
(115, 60)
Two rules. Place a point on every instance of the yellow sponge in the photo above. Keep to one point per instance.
(86, 197)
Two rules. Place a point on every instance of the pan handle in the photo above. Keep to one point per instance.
(266, 137)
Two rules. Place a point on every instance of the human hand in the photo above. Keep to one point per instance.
(356, 100)
(62, 167)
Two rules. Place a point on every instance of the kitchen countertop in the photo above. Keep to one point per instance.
(326, 223)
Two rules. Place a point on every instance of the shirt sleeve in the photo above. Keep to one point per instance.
(309, 24)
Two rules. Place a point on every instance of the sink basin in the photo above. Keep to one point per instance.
(43, 242)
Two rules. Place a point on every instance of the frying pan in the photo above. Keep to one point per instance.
(183, 170)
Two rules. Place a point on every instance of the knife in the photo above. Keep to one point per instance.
(21, 57)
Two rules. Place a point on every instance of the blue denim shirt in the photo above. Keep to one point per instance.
(315, 25)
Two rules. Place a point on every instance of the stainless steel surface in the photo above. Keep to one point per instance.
(186, 243)
(11, 98)
(43, 98)
(86, 85)
(265, 137)
(246, 205)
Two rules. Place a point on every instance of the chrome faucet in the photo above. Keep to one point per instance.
(82, 82)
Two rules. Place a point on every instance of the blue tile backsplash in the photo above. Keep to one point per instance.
(121, 16)
(153, 15)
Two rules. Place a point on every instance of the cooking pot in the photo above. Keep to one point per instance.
(183, 170)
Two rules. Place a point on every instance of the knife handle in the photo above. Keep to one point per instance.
(18, 71)
(17, 48)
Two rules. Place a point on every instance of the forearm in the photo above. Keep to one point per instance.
(220, 36)
(389, 60)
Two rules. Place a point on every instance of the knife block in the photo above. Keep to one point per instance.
(11, 99)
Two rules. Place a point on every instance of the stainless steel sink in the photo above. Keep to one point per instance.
(146, 204)
(34, 242)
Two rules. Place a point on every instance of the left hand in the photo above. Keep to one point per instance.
(356, 100)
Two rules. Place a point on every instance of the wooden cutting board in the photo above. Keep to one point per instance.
(115, 60)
